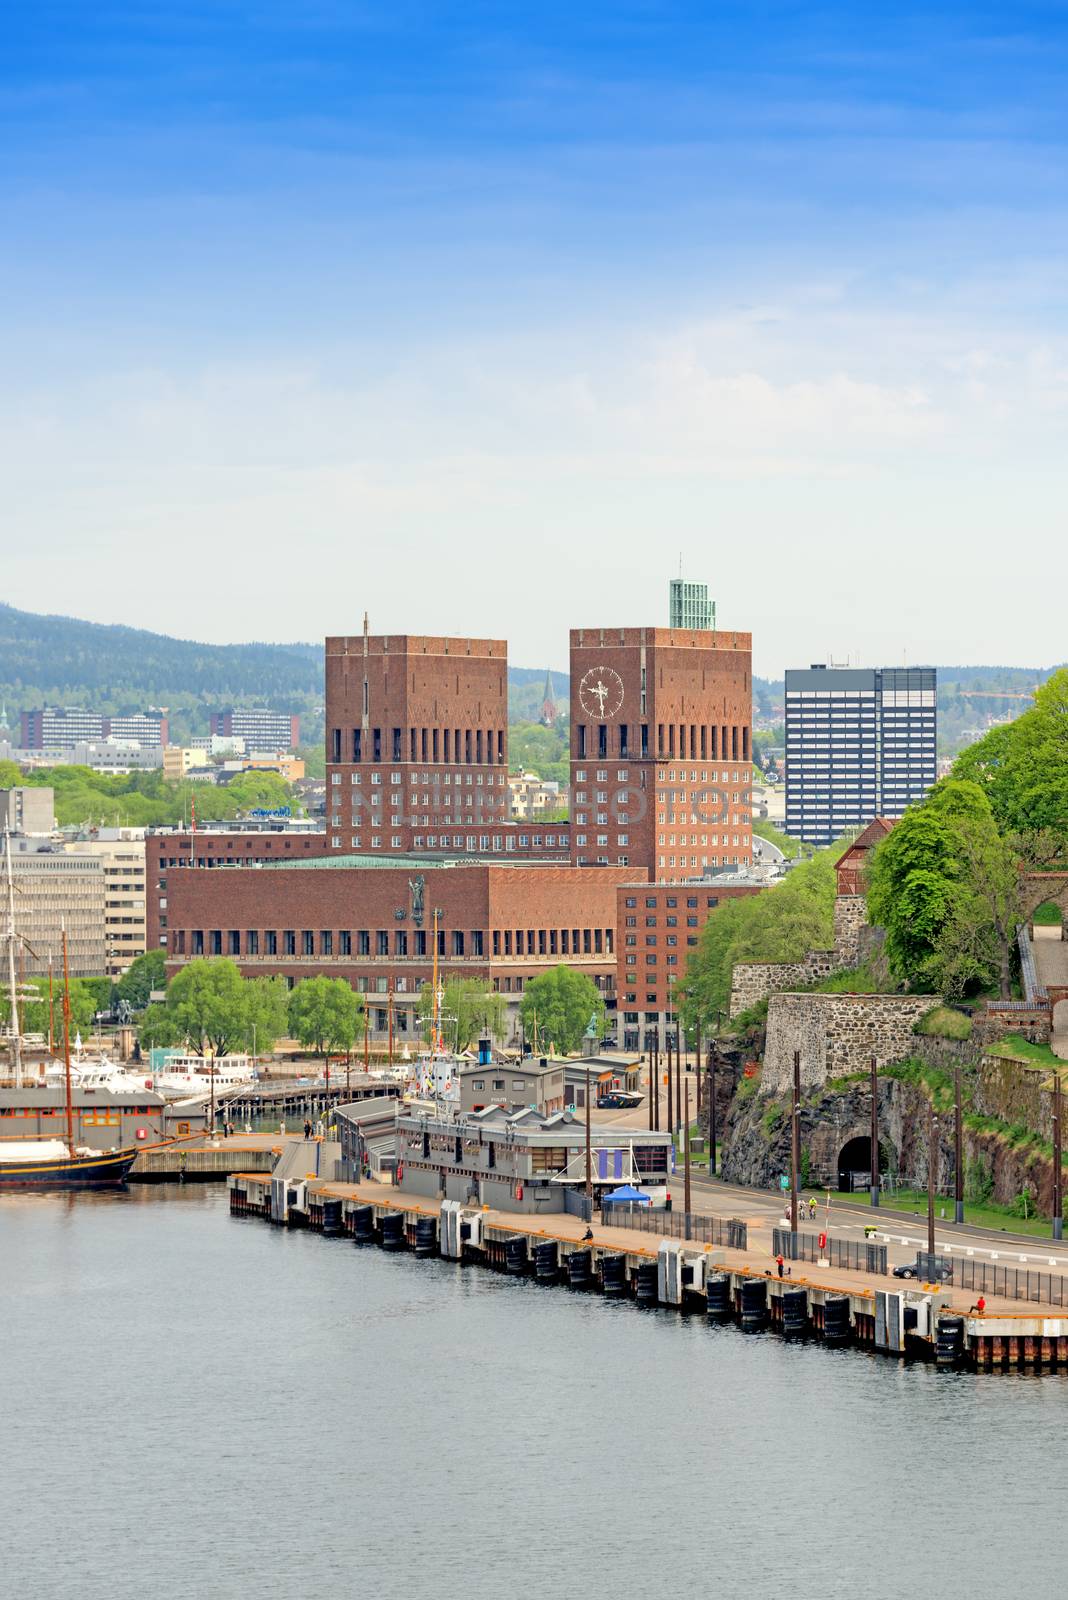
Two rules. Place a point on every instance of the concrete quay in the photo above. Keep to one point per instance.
(834, 1305)
(200, 1159)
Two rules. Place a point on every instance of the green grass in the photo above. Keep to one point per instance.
(936, 1083)
(850, 980)
(1047, 916)
(942, 1022)
(988, 1216)
(1014, 1047)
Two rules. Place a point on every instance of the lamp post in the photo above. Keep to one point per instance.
(958, 1147)
(932, 1157)
(795, 1156)
(1058, 1174)
(874, 1133)
(591, 1040)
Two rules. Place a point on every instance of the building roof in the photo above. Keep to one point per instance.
(868, 837)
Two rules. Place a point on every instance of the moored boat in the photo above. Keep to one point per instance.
(49, 1164)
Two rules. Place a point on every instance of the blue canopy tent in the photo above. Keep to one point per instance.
(626, 1195)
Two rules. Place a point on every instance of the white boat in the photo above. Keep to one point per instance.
(99, 1073)
(198, 1077)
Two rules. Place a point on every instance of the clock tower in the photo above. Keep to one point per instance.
(660, 750)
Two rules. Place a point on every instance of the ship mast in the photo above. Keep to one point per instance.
(435, 1043)
(66, 1047)
(16, 1041)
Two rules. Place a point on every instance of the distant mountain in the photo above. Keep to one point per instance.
(49, 660)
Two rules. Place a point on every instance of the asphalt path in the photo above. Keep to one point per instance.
(903, 1232)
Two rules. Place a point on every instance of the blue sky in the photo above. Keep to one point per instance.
(480, 318)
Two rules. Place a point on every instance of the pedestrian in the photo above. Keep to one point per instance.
(307, 1129)
(779, 1264)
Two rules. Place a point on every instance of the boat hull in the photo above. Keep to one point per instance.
(83, 1172)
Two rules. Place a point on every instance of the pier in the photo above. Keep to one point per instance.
(834, 1305)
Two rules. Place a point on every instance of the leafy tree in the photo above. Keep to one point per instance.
(324, 1014)
(144, 974)
(266, 1013)
(159, 1027)
(101, 991)
(33, 1013)
(469, 1010)
(1022, 767)
(208, 1005)
(560, 1004)
(779, 924)
(945, 886)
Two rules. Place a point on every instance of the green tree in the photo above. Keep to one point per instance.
(266, 1013)
(209, 1007)
(560, 1004)
(144, 975)
(33, 1013)
(945, 886)
(1022, 767)
(159, 1027)
(324, 1014)
(469, 1009)
(779, 924)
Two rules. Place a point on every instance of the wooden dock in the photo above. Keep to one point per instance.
(835, 1306)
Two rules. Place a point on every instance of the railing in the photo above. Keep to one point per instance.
(1012, 1283)
(727, 1231)
(849, 1253)
(1033, 989)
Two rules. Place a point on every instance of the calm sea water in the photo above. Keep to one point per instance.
(198, 1406)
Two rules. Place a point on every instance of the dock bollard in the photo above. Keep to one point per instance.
(546, 1261)
(426, 1237)
(613, 1276)
(794, 1313)
(515, 1255)
(837, 1325)
(754, 1305)
(391, 1230)
(718, 1296)
(646, 1284)
(580, 1270)
(949, 1341)
(363, 1225)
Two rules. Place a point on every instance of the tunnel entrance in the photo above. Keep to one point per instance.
(854, 1164)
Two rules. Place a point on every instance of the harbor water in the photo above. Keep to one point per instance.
(198, 1406)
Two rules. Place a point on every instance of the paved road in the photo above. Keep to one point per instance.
(903, 1234)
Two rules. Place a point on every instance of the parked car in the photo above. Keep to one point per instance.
(612, 1102)
(911, 1269)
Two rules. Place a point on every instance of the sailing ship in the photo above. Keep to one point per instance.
(51, 1163)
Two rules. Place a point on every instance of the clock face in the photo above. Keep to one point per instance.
(601, 693)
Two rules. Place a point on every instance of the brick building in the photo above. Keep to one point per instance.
(246, 846)
(657, 925)
(661, 763)
(416, 742)
(370, 920)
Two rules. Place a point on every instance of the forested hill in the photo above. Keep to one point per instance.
(48, 660)
(64, 661)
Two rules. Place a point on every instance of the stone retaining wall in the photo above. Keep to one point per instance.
(837, 1034)
(753, 981)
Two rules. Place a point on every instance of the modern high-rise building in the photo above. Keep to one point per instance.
(860, 743)
(261, 728)
(690, 607)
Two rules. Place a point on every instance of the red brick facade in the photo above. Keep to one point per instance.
(661, 763)
(657, 926)
(373, 925)
(211, 848)
(416, 743)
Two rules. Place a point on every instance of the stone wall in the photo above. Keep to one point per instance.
(1015, 1093)
(753, 981)
(837, 1034)
(854, 942)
